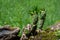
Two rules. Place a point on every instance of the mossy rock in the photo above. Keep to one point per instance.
(43, 35)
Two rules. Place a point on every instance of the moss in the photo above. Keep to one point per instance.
(44, 35)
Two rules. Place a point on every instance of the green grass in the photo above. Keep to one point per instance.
(15, 12)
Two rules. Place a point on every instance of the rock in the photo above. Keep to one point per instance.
(9, 33)
(55, 26)
(24, 37)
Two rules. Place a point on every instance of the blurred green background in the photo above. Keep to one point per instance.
(16, 12)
